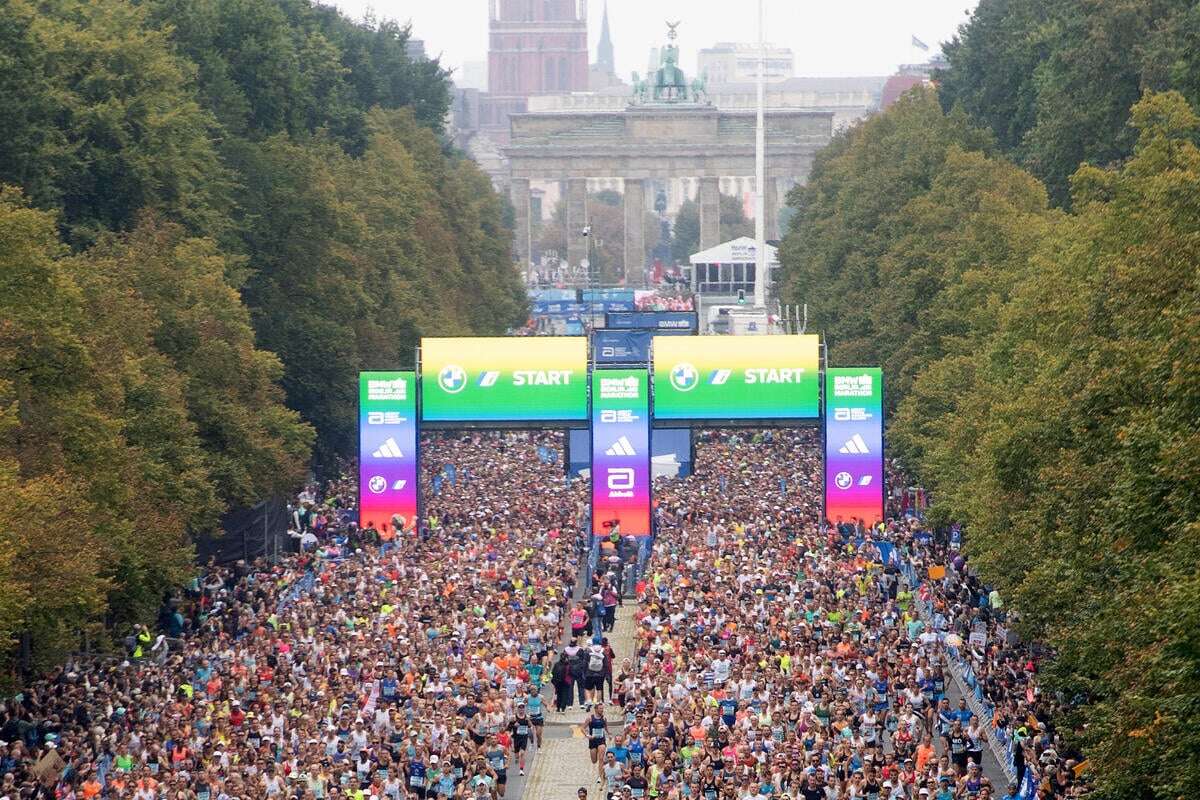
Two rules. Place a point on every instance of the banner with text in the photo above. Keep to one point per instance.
(736, 377)
(620, 347)
(854, 444)
(504, 379)
(621, 451)
(387, 451)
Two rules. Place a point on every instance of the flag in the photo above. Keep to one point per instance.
(917, 43)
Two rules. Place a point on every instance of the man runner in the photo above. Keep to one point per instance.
(595, 728)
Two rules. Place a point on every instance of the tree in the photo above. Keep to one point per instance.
(856, 207)
(1066, 439)
(106, 123)
(686, 239)
(1026, 69)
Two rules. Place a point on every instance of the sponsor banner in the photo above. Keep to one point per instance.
(854, 444)
(567, 309)
(621, 347)
(736, 377)
(621, 451)
(504, 379)
(661, 322)
(552, 295)
(387, 451)
(613, 295)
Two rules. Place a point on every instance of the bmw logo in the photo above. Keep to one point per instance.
(452, 378)
(377, 484)
(684, 377)
(843, 480)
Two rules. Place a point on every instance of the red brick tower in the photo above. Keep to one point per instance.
(534, 47)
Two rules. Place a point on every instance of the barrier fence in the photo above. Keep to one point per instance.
(1000, 741)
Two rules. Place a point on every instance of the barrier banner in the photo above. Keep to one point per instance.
(387, 451)
(621, 452)
(854, 444)
(663, 323)
(504, 379)
(621, 347)
(736, 377)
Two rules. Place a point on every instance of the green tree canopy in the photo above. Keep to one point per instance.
(1066, 438)
(1054, 79)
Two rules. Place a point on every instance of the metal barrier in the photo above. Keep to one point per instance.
(964, 679)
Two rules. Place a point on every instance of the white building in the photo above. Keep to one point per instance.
(735, 62)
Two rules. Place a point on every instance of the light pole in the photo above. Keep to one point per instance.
(760, 221)
(587, 266)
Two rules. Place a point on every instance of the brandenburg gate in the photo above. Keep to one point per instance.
(669, 130)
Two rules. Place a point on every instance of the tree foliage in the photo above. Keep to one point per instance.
(686, 240)
(866, 226)
(213, 214)
(1043, 370)
(1054, 79)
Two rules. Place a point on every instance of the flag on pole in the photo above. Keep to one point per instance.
(919, 44)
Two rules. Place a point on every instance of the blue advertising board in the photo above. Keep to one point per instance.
(621, 347)
(663, 323)
(564, 308)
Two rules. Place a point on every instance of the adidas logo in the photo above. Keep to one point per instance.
(388, 449)
(621, 447)
(854, 444)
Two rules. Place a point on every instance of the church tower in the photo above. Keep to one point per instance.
(604, 50)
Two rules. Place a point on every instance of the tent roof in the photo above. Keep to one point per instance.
(735, 251)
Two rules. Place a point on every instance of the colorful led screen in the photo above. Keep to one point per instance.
(620, 451)
(736, 377)
(387, 451)
(504, 379)
(854, 444)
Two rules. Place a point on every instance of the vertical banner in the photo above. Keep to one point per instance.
(621, 451)
(387, 451)
(854, 444)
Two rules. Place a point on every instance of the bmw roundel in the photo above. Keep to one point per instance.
(843, 480)
(684, 377)
(452, 378)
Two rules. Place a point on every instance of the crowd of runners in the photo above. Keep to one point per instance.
(775, 660)
(772, 660)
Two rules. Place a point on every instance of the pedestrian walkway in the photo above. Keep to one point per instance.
(562, 765)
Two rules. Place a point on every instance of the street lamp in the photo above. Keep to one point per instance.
(587, 265)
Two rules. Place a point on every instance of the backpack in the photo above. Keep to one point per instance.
(596, 660)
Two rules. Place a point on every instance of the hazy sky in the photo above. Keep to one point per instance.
(828, 37)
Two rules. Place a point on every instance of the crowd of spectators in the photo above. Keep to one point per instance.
(665, 299)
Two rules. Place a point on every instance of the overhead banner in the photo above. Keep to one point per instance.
(736, 377)
(854, 444)
(387, 451)
(620, 452)
(504, 379)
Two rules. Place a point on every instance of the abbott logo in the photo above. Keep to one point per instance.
(620, 482)
(452, 379)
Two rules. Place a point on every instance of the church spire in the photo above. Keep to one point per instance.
(604, 50)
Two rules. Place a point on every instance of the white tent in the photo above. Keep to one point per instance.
(735, 251)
